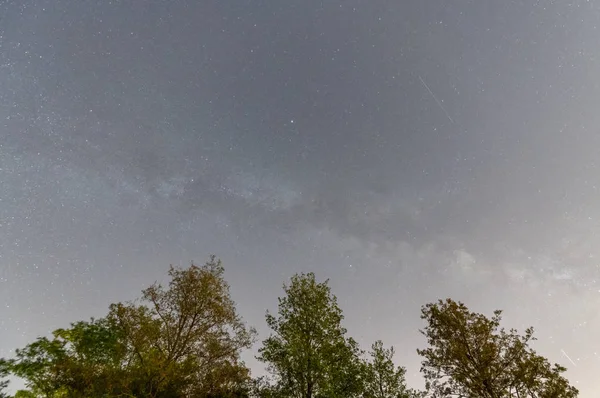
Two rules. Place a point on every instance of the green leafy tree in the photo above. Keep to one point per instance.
(262, 387)
(471, 356)
(308, 352)
(25, 394)
(186, 338)
(3, 382)
(382, 378)
(181, 341)
(80, 361)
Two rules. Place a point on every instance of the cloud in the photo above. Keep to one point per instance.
(464, 261)
(265, 191)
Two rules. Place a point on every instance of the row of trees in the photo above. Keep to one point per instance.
(185, 340)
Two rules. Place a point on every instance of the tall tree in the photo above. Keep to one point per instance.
(184, 340)
(187, 337)
(470, 355)
(382, 378)
(308, 352)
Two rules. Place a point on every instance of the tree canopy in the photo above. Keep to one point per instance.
(308, 351)
(470, 355)
(3, 382)
(383, 379)
(185, 339)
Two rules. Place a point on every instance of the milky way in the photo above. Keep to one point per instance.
(407, 150)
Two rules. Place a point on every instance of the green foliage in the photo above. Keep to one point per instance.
(263, 388)
(187, 337)
(382, 378)
(307, 351)
(81, 360)
(471, 356)
(3, 383)
(25, 394)
(184, 340)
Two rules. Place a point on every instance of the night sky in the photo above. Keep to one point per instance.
(408, 150)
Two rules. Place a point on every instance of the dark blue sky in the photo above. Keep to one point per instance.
(408, 150)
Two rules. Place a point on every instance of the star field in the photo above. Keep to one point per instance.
(409, 151)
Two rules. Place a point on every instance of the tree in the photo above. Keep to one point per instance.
(3, 383)
(471, 356)
(308, 352)
(264, 388)
(187, 338)
(24, 394)
(383, 379)
(82, 360)
(184, 340)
